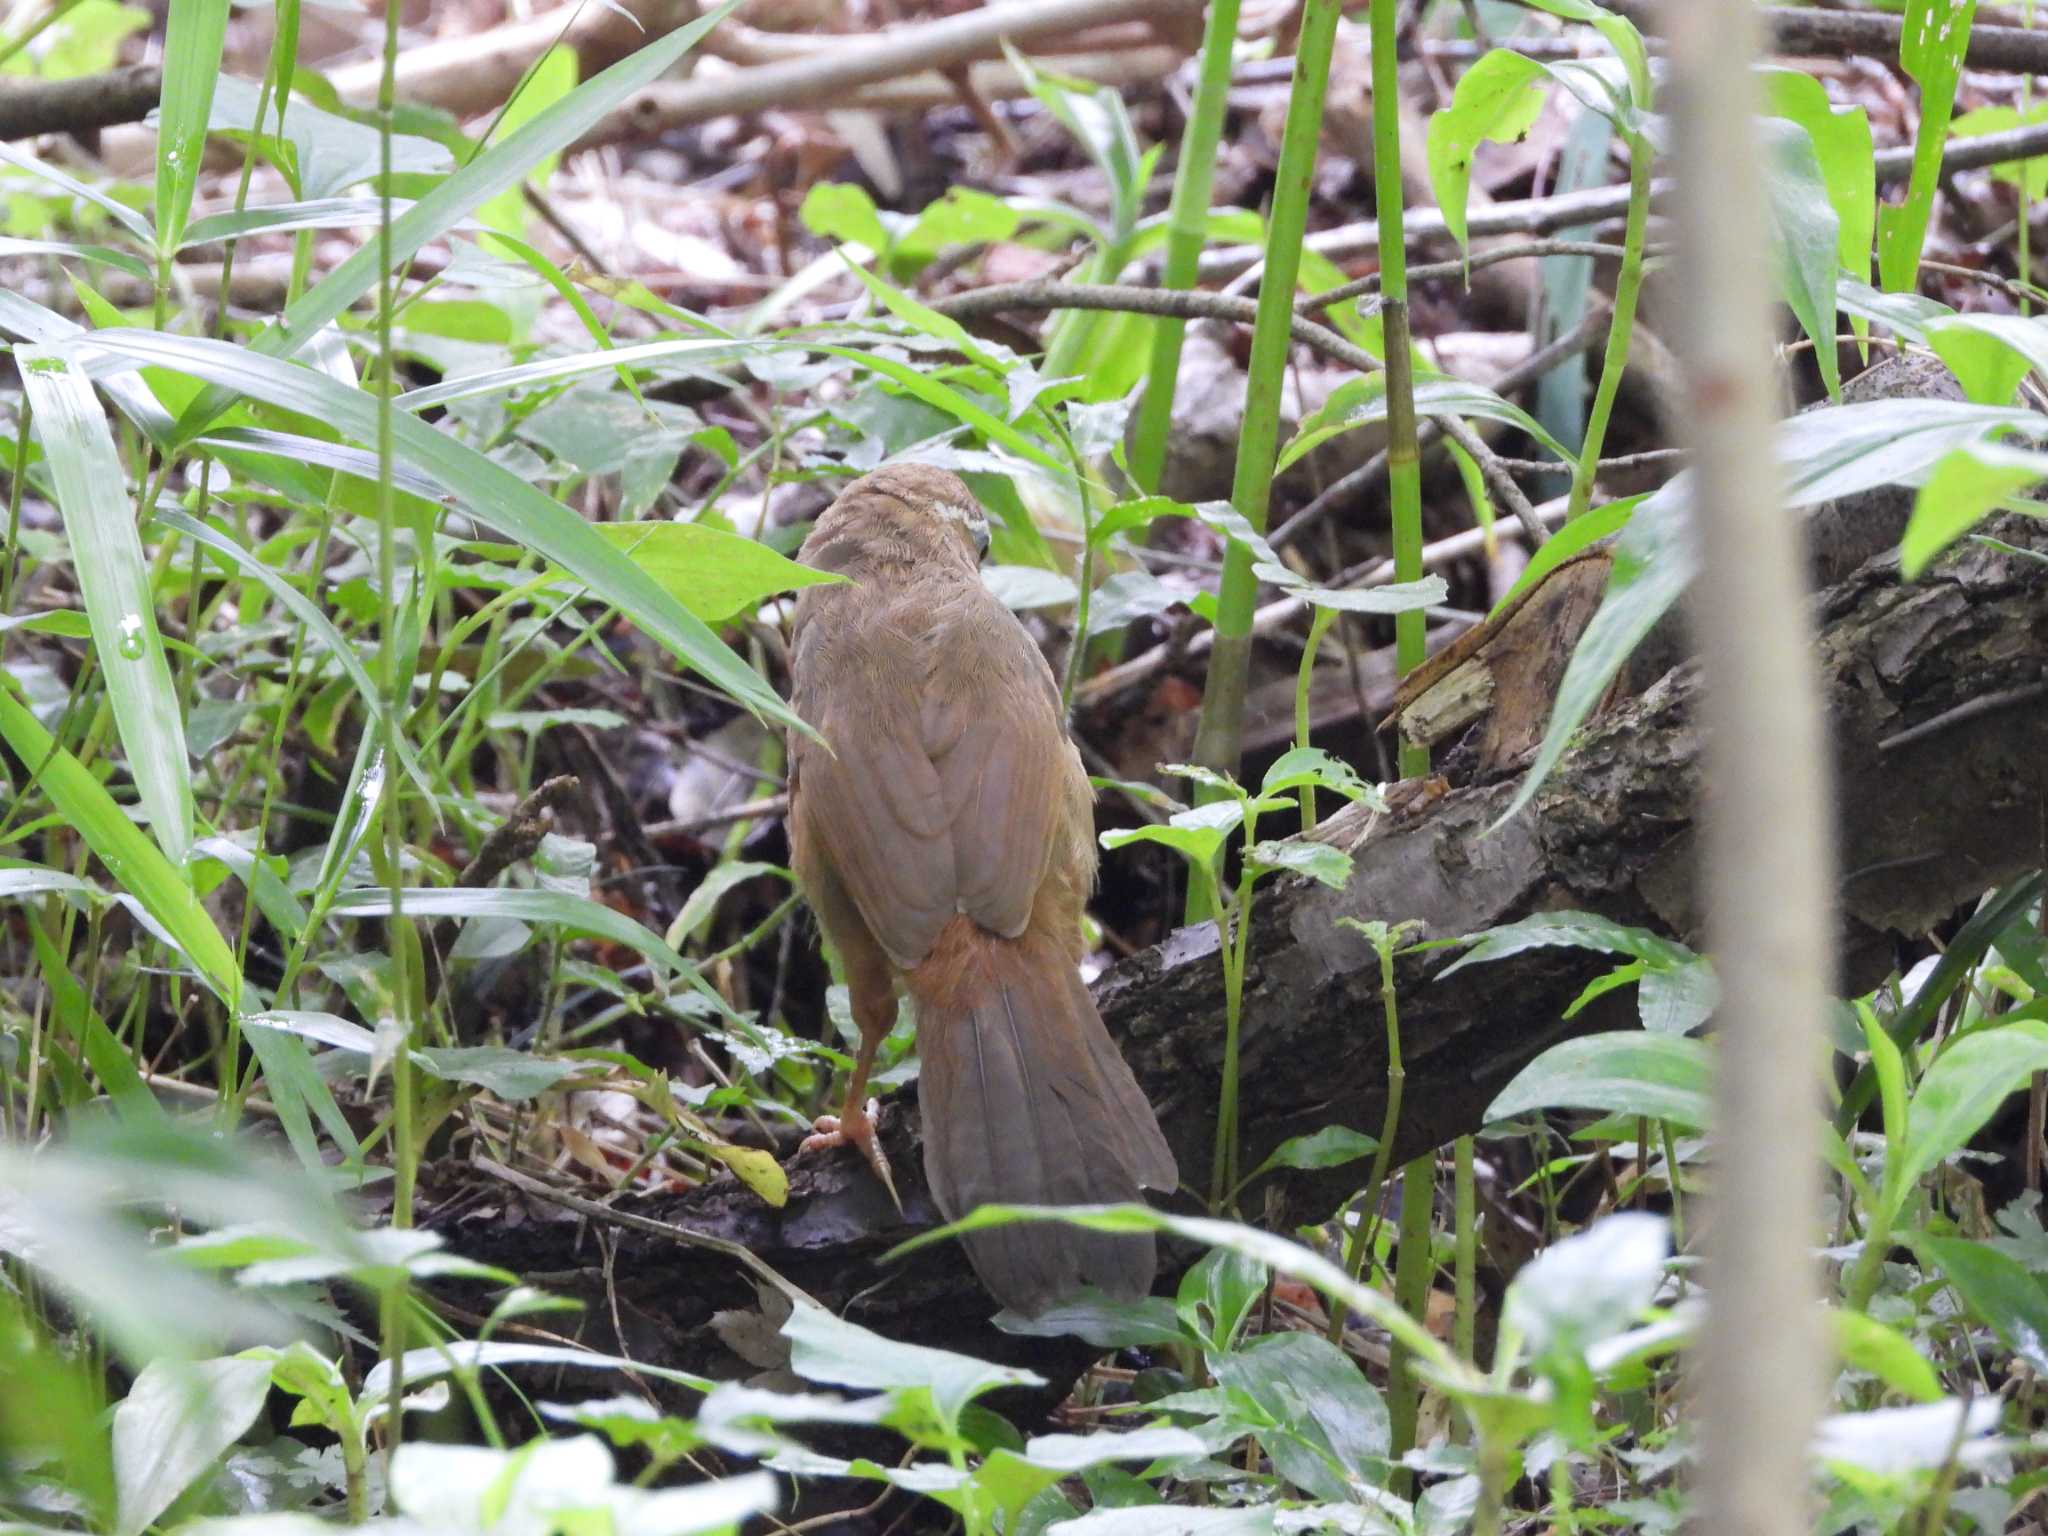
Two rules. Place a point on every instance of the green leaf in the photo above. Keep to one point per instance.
(121, 213)
(1298, 766)
(134, 861)
(1663, 1077)
(837, 210)
(1336, 1426)
(1989, 354)
(1969, 1080)
(282, 218)
(697, 909)
(321, 153)
(1388, 597)
(508, 1074)
(194, 33)
(1805, 240)
(1865, 1344)
(1620, 35)
(491, 492)
(1965, 487)
(1361, 402)
(1937, 34)
(1997, 1288)
(176, 1420)
(1499, 99)
(1319, 861)
(1842, 146)
(579, 914)
(830, 1349)
(113, 576)
(1331, 1147)
(1573, 930)
(714, 574)
(928, 321)
(1145, 1322)
(502, 165)
(1197, 835)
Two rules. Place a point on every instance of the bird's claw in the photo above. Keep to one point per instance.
(855, 1128)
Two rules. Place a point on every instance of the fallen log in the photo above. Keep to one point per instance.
(1941, 762)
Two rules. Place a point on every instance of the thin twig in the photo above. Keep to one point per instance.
(646, 1225)
(1127, 298)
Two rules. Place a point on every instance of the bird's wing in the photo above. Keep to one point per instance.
(871, 806)
(994, 735)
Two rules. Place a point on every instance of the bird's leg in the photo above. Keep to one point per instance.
(874, 1010)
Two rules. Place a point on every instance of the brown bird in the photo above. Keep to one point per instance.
(947, 843)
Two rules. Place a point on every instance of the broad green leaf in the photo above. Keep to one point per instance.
(1663, 1077)
(1997, 1287)
(1499, 99)
(1805, 240)
(1989, 354)
(1336, 1430)
(177, 1419)
(194, 32)
(830, 1349)
(1572, 930)
(1965, 487)
(508, 1074)
(1956, 1095)
(321, 153)
(1865, 1344)
(1907, 314)
(1589, 1287)
(1197, 835)
(502, 165)
(1842, 146)
(135, 862)
(1937, 33)
(1319, 861)
(714, 574)
(491, 492)
(1145, 1322)
(837, 210)
(1387, 597)
(1331, 1147)
(697, 909)
(113, 576)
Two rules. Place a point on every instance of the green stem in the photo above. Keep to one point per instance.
(1364, 1233)
(1187, 220)
(1621, 328)
(1413, 1267)
(1465, 1206)
(15, 482)
(1318, 626)
(1219, 741)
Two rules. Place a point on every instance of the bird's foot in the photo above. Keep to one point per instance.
(855, 1128)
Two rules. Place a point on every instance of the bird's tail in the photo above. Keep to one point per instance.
(1026, 1101)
